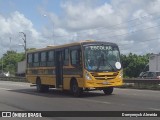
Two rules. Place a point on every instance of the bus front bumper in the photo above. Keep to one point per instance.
(103, 83)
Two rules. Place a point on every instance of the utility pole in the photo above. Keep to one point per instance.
(2, 64)
(25, 42)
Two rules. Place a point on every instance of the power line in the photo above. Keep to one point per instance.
(123, 27)
(148, 40)
(119, 34)
(148, 28)
(85, 31)
(125, 22)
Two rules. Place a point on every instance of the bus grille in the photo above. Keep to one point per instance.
(104, 77)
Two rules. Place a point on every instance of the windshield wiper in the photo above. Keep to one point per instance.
(111, 66)
(103, 60)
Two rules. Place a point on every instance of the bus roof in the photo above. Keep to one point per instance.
(86, 42)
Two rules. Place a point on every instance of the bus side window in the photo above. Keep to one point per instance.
(30, 60)
(51, 58)
(75, 57)
(36, 60)
(66, 56)
(43, 59)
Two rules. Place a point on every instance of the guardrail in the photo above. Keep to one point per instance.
(139, 83)
(15, 79)
(140, 80)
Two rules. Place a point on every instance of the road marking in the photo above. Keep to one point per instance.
(5, 89)
(154, 109)
(95, 101)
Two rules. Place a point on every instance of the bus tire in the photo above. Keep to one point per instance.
(46, 88)
(108, 90)
(75, 90)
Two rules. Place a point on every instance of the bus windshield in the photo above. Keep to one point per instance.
(102, 58)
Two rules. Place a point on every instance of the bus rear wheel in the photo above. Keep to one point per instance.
(108, 90)
(75, 90)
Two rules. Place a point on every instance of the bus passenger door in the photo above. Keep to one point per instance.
(59, 69)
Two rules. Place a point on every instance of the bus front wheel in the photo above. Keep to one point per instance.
(108, 90)
(75, 90)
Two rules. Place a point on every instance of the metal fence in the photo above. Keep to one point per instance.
(140, 80)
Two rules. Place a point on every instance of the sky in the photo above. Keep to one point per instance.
(132, 24)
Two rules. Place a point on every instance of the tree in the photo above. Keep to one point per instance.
(134, 64)
(10, 60)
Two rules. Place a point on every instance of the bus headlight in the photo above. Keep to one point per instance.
(87, 76)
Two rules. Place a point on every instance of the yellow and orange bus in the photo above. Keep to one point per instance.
(79, 66)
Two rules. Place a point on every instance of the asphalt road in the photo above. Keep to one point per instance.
(17, 96)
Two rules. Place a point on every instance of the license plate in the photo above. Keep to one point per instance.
(105, 83)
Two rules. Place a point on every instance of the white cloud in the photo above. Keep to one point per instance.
(132, 24)
(10, 28)
(143, 29)
(79, 17)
